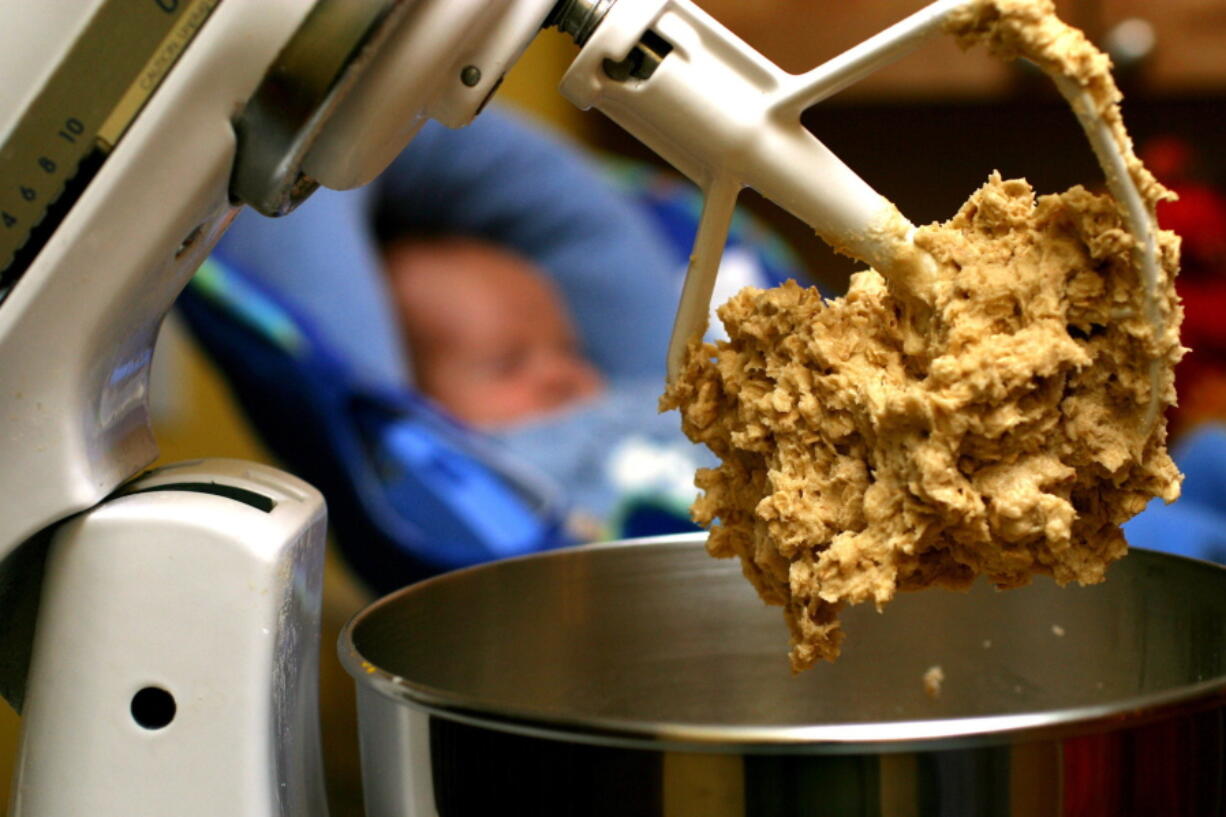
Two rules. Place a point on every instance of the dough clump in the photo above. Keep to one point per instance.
(997, 421)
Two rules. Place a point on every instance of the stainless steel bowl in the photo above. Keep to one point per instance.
(646, 678)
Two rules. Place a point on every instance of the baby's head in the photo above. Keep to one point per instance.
(489, 337)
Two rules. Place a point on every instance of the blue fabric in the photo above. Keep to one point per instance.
(621, 460)
(1182, 529)
(674, 206)
(322, 261)
(409, 492)
(1195, 525)
(1201, 455)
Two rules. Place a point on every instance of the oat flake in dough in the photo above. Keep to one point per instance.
(996, 425)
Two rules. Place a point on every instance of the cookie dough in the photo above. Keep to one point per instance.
(933, 678)
(992, 423)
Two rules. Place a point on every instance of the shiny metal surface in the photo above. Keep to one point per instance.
(303, 87)
(647, 678)
(578, 18)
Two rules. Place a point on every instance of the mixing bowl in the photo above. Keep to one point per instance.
(646, 678)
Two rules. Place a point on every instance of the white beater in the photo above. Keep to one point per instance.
(729, 118)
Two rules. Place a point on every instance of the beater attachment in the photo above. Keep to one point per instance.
(729, 118)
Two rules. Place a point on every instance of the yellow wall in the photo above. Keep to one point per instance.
(532, 86)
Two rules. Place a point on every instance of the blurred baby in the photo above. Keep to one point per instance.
(489, 337)
(492, 342)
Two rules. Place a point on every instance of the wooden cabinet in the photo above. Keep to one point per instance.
(800, 34)
(1189, 55)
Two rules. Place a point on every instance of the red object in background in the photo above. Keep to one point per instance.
(1201, 376)
(1169, 768)
(1199, 218)
(1093, 767)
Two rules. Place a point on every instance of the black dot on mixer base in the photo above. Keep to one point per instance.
(153, 708)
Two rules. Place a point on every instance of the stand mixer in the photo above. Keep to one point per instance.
(132, 130)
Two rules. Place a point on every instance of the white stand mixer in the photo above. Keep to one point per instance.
(170, 666)
(175, 664)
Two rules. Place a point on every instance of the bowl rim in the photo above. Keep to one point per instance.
(827, 738)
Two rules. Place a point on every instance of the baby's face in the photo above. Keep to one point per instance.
(489, 337)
